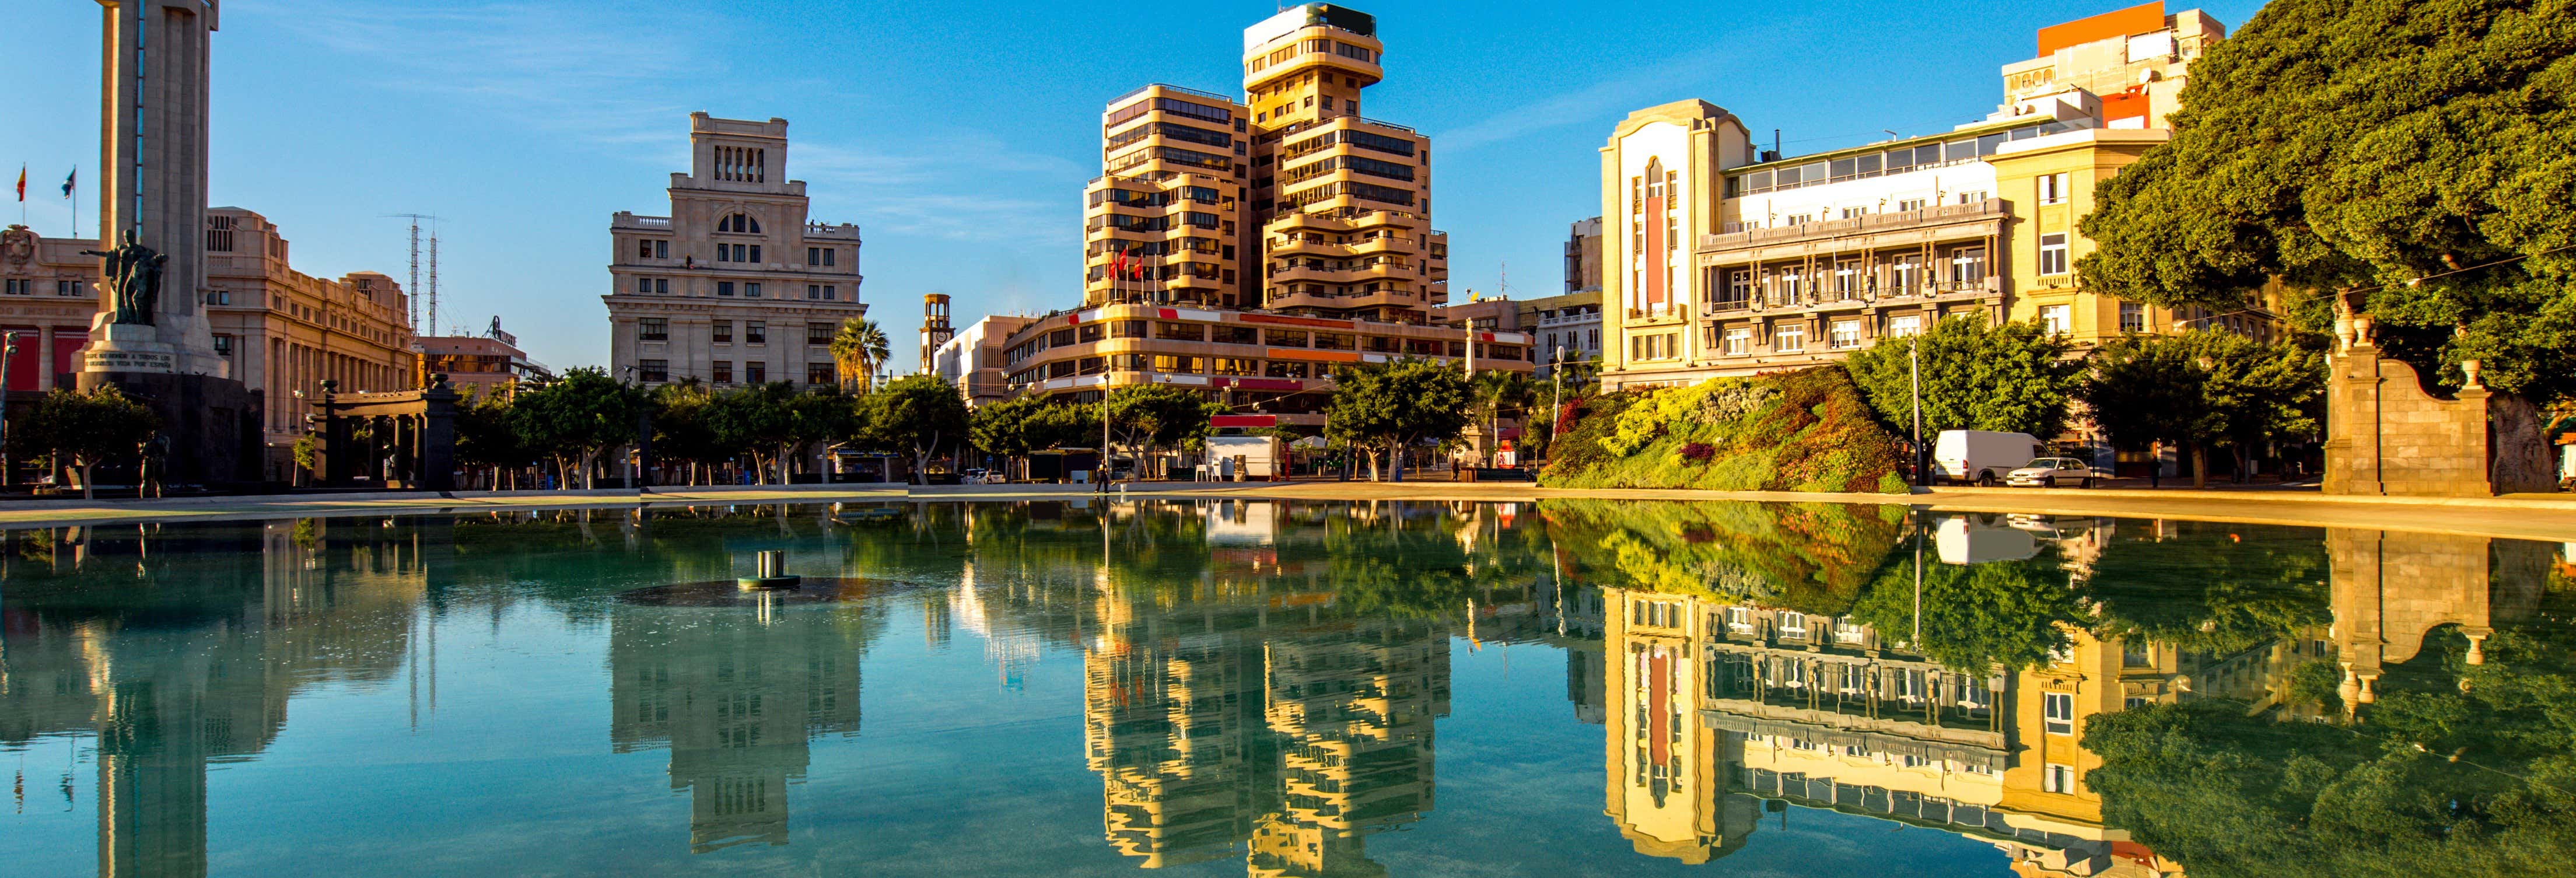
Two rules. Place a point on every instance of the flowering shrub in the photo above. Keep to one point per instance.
(1698, 452)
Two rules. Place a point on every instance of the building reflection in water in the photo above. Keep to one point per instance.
(1263, 710)
(738, 697)
(194, 661)
(1732, 710)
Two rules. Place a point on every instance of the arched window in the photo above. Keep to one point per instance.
(740, 222)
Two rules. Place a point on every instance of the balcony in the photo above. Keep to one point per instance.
(831, 231)
(1988, 210)
(1666, 314)
(624, 220)
(1989, 285)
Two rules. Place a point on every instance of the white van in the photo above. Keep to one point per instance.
(1980, 456)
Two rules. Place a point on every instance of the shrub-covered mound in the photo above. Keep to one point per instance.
(1797, 431)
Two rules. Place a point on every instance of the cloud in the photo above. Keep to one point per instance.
(1584, 104)
(587, 74)
(962, 186)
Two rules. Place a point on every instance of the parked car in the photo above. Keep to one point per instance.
(2049, 472)
(1981, 456)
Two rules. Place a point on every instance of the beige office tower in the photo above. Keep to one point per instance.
(1342, 202)
(1164, 222)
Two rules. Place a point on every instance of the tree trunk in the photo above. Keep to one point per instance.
(88, 489)
(2199, 465)
(1395, 462)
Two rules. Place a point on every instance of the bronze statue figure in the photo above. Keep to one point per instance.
(133, 274)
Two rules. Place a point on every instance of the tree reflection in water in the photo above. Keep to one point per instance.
(1261, 682)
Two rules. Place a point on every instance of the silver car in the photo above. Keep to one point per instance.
(2049, 472)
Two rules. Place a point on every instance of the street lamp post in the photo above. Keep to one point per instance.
(1914, 384)
(8, 346)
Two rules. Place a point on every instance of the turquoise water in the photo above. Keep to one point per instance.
(1283, 689)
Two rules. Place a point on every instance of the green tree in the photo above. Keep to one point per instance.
(1002, 429)
(1496, 391)
(1150, 417)
(759, 423)
(915, 414)
(83, 430)
(1390, 406)
(2210, 589)
(485, 435)
(683, 428)
(2012, 378)
(2359, 146)
(575, 420)
(857, 349)
(2202, 388)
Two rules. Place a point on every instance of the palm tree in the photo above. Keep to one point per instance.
(858, 349)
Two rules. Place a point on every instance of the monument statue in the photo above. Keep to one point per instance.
(133, 274)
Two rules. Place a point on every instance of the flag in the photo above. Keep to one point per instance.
(71, 181)
(1118, 265)
(22, 182)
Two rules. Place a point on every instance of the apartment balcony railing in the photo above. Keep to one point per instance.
(1669, 312)
(1987, 285)
(1170, 87)
(1987, 209)
(631, 221)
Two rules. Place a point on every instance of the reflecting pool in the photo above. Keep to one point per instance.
(1284, 689)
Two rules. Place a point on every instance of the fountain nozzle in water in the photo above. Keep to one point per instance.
(773, 571)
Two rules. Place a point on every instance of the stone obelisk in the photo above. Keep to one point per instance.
(150, 338)
(152, 155)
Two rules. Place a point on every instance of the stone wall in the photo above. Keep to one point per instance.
(2388, 435)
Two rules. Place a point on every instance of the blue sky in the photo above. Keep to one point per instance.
(958, 135)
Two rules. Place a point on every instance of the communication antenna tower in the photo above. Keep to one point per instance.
(433, 278)
(414, 287)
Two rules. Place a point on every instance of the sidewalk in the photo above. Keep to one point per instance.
(2550, 517)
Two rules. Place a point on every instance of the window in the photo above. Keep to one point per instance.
(819, 255)
(2133, 317)
(643, 286)
(1909, 204)
(755, 373)
(1793, 624)
(755, 332)
(1968, 266)
(723, 371)
(217, 297)
(17, 287)
(820, 333)
(653, 329)
(645, 249)
(2052, 188)
(724, 288)
(723, 332)
(1976, 197)
(751, 291)
(2052, 254)
(219, 233)
(1855, 212)
(1789, 338)
(1738, 341)
(740, 223)
(2057, 319)
(1232, 366)
(224, 345)
(1903, 326)
(1844, 334)
(1184, 365)
(1285, 369)
(68, 288)
(2058, 778)
(2059, 710)
(652, 371)
(821, 373)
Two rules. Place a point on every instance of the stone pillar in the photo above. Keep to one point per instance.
(152, 160)
(438, 437)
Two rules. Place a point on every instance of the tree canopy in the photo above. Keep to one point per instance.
(83, 429)
(915, 414)
(2013, 377)
(2203, 387)
(2338, 145)
(579, 417)
(1388, 406)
